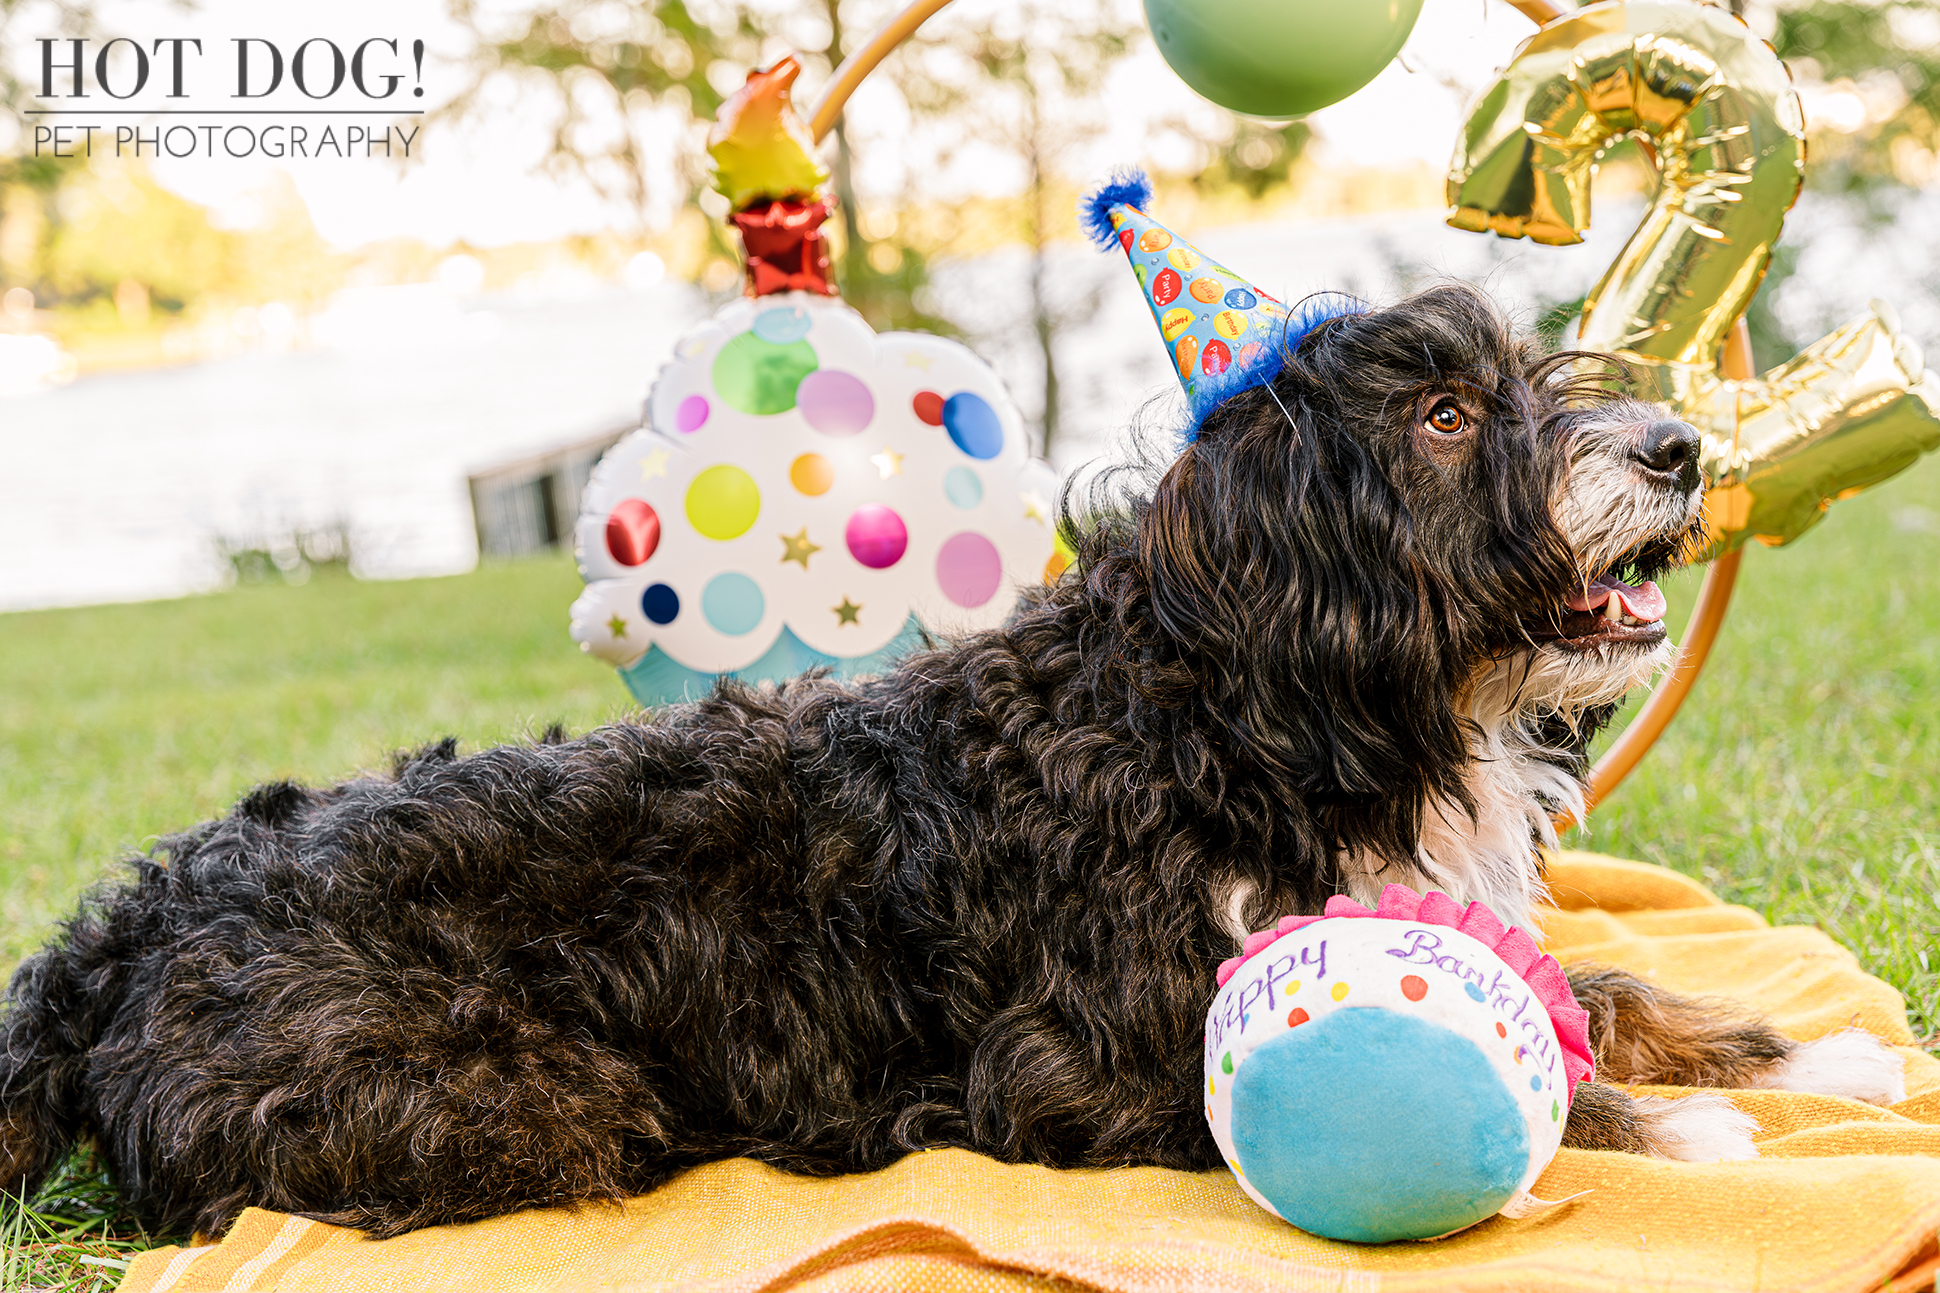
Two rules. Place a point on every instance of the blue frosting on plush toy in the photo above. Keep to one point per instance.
(1322, 1113)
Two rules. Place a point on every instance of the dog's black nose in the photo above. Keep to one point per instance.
(1671, 448)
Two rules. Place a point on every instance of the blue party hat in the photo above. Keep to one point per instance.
(1225, 335)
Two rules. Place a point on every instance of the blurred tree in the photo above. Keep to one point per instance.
(29, 184)
(1872, 71)
(884, 279)
(1027, 80)
(1256, 157)
(124, 240)
(1870, 76)
(620, 77)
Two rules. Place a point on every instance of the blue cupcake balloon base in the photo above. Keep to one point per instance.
(1373, 1126)
(656, 678)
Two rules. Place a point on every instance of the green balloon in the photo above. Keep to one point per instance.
(1279, 58)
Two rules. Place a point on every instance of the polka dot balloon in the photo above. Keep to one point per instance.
(1401, 1073)
(807, 492)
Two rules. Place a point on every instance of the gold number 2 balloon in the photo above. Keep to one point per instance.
(1716, 106)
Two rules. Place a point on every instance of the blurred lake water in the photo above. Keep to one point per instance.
(124, 486)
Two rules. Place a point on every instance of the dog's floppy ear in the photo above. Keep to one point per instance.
(1279, 560)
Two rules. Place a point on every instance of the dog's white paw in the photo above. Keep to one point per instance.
(1850, 1063)
(1700, 1129)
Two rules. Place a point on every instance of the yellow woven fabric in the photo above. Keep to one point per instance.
(1845, 1197)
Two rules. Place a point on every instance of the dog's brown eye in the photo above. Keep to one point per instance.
(1448, 418)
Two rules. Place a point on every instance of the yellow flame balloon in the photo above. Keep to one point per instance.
(1715, 105)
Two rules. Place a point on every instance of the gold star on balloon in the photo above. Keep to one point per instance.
(654, 464)
(847, 612)
(618, 626)
(916, 359)
(797, 548)
(1034, 506)
(888, 462)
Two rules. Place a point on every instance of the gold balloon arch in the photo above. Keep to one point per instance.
(1714, 598)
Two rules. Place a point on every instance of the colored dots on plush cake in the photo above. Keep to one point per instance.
(1297, 1017)
(1475, 993)
(812, 474)
(723, 502)
(876, 536)
(963, 487)
(759, 376)
(691, 416)
(732, 603)
(1414, 987)
(835, 403)
(632, 531)
(973, 424)
(660, 603)
(969, 569)
(1340, 992)
(928, 407)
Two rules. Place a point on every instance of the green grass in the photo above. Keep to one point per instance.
(118, 723)
(74, 1237)
(1802, 778)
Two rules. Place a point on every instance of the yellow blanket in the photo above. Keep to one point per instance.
(1845, 1197)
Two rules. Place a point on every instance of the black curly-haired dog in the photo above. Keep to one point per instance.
(1359, 632)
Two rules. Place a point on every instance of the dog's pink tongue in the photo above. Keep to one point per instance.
(1645, 603)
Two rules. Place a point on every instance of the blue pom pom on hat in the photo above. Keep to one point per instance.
(1224, 334)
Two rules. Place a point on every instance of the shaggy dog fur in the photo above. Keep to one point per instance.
(977, 902)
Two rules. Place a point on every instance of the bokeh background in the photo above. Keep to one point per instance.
(207, 361)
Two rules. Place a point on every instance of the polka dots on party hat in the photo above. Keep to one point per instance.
(806, 491)
(1223, 334)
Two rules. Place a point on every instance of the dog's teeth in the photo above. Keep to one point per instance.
(1612, 611)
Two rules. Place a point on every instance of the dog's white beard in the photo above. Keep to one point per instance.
(1605, 510)
(1516, 783)
(1513, 778)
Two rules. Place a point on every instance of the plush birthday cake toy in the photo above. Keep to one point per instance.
(1401, 1073)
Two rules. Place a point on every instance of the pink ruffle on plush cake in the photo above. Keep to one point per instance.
(1516, 949)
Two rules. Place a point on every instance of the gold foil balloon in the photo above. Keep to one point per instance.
(1716, 107)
